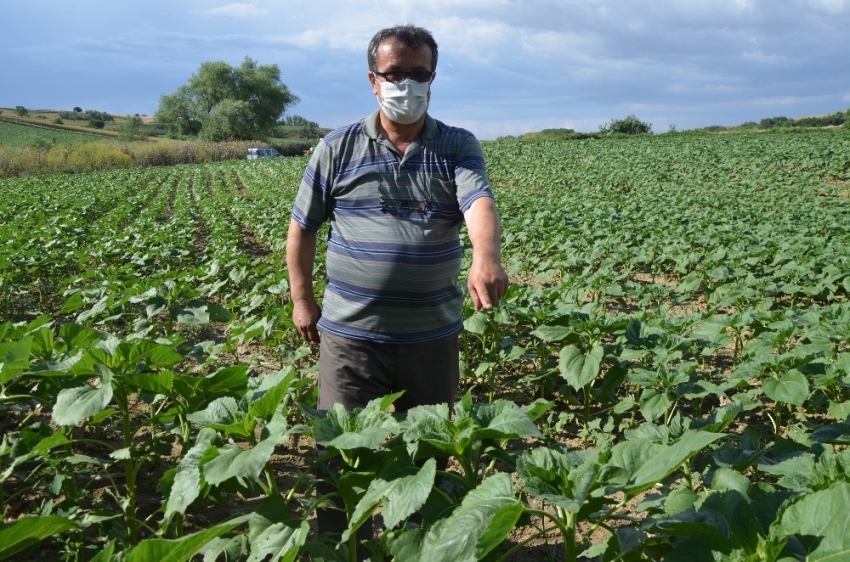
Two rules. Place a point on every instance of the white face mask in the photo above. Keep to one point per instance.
(404, 102)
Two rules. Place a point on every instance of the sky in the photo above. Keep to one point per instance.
(505, 67)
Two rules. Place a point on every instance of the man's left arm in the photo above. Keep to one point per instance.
(487, 282)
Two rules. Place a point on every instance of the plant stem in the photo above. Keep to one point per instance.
(566, 523)
(130, 467)
(271, 479)
(516, 548)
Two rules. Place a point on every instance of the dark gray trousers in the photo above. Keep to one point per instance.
(354, 372)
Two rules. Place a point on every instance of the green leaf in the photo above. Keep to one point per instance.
(73, 405)
(820, 523)
(562, 479)
(538, 408)
(790, 388)
(32, 444)
(77, 336)
(473, 530)
(654, 404)
(27, 531)
(187, 480)
(182, 549)
(236, 463)
(477, 323)
(14, 358)
(266, 406)
(225, 380)
(839, 410)
(503, 419)
(836, 433)
(578, 369)
(158, 383)
(271, 541)
(105, 555)
(643, 463)
(679, 500)
(551, 333)
(501, 525)
(400, 498)
(152, 354)
(368, 438)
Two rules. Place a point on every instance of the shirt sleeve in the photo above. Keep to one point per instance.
(471, 174)
(313, 202)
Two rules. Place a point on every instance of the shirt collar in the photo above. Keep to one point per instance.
(429, 131)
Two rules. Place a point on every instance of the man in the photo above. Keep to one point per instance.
(395, 187)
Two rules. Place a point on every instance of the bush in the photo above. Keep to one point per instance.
(59, 121)
(86, 115)
(771, 122)
(21, 111)
(131, 129)
(629, 125)
(89, 156)
(96, 123)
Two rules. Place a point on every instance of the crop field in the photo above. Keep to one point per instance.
(668, 377)
(14, 134)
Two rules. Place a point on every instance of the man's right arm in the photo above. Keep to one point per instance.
(300, 257)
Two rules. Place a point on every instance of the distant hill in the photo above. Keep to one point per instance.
(14, 134)
(49, 119)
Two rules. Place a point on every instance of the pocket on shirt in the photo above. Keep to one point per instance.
(442, 197)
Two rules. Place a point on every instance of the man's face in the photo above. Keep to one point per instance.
(398, 57)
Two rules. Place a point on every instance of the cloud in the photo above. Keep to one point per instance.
(778, 101)
(828, 6)
(762, 58)
(242, 10)
(506, 67)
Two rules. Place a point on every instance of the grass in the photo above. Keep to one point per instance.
(17, 135)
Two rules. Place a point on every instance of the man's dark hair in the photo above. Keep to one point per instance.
(408, 35)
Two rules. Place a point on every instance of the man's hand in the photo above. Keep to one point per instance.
(487, 283)
(300, 255)
(305, 314)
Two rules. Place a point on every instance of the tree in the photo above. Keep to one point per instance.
(296, 121)
(177, 113)
(131, 129)
(629, 125)
(223, 102)
(229, 119)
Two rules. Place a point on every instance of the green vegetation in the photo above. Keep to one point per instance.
(131, 129)
(221, 102)
(667, 379)
(43, 143)
(782, 123)
(90, 115)
(20, 135)
(555, 135)
(629, 125)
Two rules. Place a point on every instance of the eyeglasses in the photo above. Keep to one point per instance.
(395, 205)
(399, 75)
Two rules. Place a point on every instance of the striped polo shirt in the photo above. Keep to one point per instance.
(394, 248)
